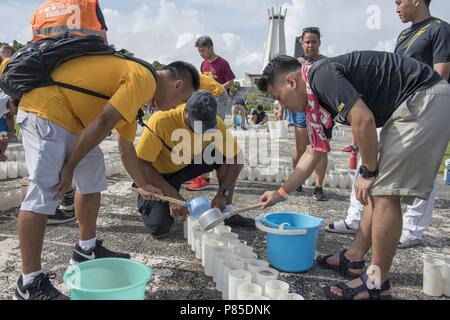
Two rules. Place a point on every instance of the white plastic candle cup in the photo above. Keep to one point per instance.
(252, 173)
(197, 234)
(294, 296)
(221, 259)
(220, 230)
(288, 173)
(210, 245)
(254, 266)
(310, 181)
(276, 289)
(207, 236)
(20, 155)
(198, 249)
(433, 271)
(227, 268)
(198, 237)
(216, 252)
(227, 237)
(333, 179)
(257, 297)
(13, 169)
(185, 230)
(342, 179)
(246, 257)
(236, 243)
(447, 277)
(242, 249)
(280, 175)
(235, 279)
(264, 275)
(3, 171)
(11, 154)
(23, 171)
(246, 290)
(190, 225)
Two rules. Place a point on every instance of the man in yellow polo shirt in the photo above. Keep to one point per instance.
(218, 91)
(182, 144)
(61, 131)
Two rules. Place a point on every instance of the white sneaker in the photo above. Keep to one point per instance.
(409, 243)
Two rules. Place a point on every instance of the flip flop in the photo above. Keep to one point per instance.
(340, 227)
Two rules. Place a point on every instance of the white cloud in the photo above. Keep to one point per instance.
(386, 45)
(166, 30)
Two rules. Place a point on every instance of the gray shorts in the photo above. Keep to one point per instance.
(223, 105)
(413, 143)
(46, 147)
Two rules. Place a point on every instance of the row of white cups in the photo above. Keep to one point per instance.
(334, 178)
(233, 265)
(12, 195)
(18, 169)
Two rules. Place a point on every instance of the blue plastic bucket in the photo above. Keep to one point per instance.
(291, 240)
(108, 279)
(238, 121)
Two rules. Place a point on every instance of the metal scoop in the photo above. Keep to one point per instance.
(212, 218)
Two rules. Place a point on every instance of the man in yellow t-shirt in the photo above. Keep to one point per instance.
(218, 91)
(61, 131)
(182, 144)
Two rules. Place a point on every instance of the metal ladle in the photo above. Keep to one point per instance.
(212, 218)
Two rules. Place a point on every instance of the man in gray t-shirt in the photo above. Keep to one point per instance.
(426, 40)
(368, 90)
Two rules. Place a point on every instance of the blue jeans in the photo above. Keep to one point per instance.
(3, 125)
(297, 119)
(156, 215)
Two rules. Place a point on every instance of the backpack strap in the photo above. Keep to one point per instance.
(79, 89)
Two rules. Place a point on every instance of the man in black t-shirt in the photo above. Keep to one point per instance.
(259, 117)
(428, 41)
(370, 90)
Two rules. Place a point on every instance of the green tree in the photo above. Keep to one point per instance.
(158, 65)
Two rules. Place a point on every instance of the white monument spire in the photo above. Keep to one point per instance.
(276, 39)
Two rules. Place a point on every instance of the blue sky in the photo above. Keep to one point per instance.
(166, 30)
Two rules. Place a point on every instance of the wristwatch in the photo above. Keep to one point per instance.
(224, 191)
(366, 173)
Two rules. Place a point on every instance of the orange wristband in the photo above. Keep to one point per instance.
(282, 192)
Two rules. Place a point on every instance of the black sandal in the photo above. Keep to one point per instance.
(344, 265)
(351, 293)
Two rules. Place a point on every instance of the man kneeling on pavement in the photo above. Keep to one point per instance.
(165, 152)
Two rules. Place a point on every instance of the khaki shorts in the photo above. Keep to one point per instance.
(46, 147)
(413, 143)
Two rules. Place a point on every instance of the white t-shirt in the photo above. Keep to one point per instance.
(3, 103)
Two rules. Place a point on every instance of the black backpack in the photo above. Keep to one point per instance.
(31, 66)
